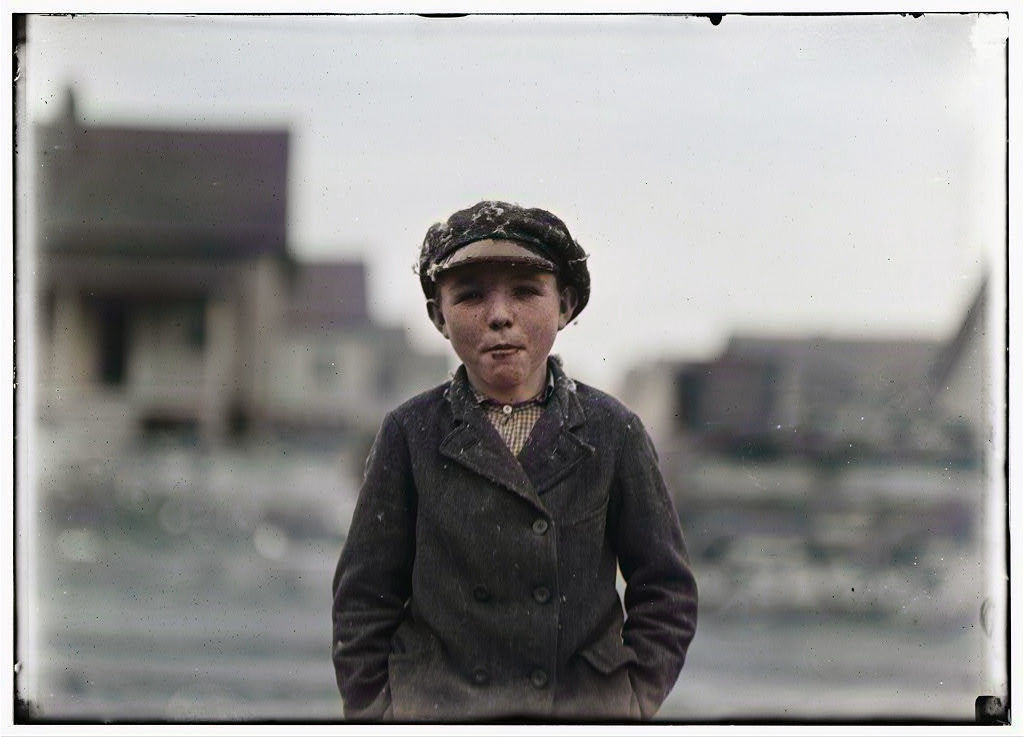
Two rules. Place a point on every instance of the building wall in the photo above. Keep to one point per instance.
(323, 376)
(651, 392)
(264, 294)
(349, 377)
(167, 343)
(827, 398)
(67, 345)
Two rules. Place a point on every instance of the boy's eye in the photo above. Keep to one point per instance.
(527, 290)
(465, 295)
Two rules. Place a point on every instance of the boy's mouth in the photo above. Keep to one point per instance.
(502, 348)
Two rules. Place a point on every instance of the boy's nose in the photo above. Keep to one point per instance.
(499, 314)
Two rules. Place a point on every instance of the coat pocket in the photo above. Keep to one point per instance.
(597, 683)
(412, 676)
(595, 513)
(424, 685)
(608, 654)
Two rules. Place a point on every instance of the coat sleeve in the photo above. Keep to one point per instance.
(661, 592)
(372, 581)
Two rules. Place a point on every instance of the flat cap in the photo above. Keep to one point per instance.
(545, 240)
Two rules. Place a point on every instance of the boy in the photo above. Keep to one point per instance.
(478, 577)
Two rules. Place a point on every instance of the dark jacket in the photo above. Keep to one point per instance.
(475, 586)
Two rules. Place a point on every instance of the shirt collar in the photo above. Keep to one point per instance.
(541, 398)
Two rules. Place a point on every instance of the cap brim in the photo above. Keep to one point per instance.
(490, 250)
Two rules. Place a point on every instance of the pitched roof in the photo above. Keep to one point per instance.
(157, 191)
(954, 349)
(901, 360)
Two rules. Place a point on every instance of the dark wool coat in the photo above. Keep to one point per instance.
(474, 586)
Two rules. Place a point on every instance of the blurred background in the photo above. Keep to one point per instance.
(796, 236)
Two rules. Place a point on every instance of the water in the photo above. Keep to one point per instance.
(199, 592)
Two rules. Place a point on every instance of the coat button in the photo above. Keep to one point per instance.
(481, 677)
(539, 678)
(542, 594)
(480, 593)
(540, 526)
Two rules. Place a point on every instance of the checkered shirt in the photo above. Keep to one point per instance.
(514, 422)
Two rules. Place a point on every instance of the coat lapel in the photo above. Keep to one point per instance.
(554, 450)
(551, 453)
(473, 447)
(476, 445)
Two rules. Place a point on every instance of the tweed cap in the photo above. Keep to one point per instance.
(545, 240)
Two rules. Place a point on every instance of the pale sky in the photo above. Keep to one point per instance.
(837, 175)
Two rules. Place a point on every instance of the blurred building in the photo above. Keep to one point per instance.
(829, 474)
(170, 301)
(827, 398)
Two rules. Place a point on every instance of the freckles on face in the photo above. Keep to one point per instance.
(502, 321)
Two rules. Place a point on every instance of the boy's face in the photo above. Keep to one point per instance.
(502, 320)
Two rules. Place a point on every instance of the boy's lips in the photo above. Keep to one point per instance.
(502, 348)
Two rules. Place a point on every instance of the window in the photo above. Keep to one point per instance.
(113, 341)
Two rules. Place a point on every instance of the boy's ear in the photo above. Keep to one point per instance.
(437, 317)
(567, 301)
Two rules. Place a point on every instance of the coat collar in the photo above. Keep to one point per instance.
(550, 454)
